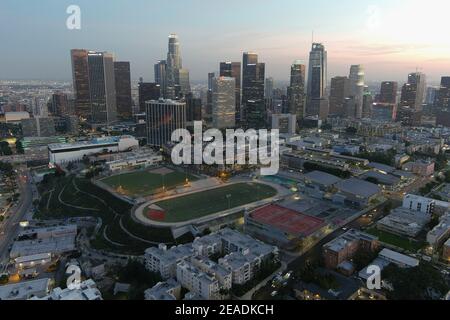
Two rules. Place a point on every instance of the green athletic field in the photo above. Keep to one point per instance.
(143, 183)
(204, 203)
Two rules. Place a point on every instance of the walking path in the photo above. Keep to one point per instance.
(109, 240)
(70, 205)
(138, 238)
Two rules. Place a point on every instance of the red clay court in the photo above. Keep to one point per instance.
(156, 215)
(287, 220)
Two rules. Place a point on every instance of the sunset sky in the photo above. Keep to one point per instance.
(390, 37)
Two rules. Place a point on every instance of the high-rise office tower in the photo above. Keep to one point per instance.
(413, 92)
(177, 78)
(367, 103)
(296, 90)
(174, 62)
(122, 76)
(193, 108)
(409, 112)
(161, 75)
(339, 91)
(254, 113)
(80, 77)
(317, 81)
(442, 103)
(59, 105)
(268, 94)
(388, 92)
(207, 115)
(224, 103)
(211, 77)
(443, 95)
(356, 78)
(182, 78)
(163, 117)
(268, 88)
(148, 91)
(233, 70)
(317, 72)
(102, 87)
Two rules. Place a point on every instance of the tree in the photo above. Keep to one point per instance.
(417, 283)
(351, 130)
(362, 258)
(19, 147)
(139, 278)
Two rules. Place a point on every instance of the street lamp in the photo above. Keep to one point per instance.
(229, 203)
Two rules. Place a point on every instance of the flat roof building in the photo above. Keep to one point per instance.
(164, 261)
(87, 291)
(74, 152)
(281, 226)
(25, 290)
(168, 290)
(356, 192)
(440, 232)
(343, 248)
(404, 222)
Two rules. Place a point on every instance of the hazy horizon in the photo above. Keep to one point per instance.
(391, 38)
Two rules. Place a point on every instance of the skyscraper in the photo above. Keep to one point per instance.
(80, 77)
(233, 70)
(388, 92)
(102, 87)
(317, 80)
(296, 90)
(94, 86)
(224, 103)
(409, 112)
(177, 79)
(367, 104)
(253, 76)
(193, 108)
(356, 78)
(183, 81)
(174, 62)
(211, 77)
(148, 91)
(161, 75)
(340, 89)
(317, 72)
(268, 88)
(59, 105)
(443, 95)
(123, 89)
(163, 117)
(413, 92)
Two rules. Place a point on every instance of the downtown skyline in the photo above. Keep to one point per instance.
(388, 51)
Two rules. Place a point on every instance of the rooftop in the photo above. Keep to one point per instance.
(358, 187)
(287, 220)
(381, 167)
(350, 236)
(93, 142)
(161, 290)
(322, 178)
(397, 257)
(24, 290)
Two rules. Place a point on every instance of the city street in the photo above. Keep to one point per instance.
(10, 226)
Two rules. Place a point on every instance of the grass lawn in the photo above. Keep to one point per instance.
(70, 196)
(201, 204)
(142, 183)
(396, 240)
